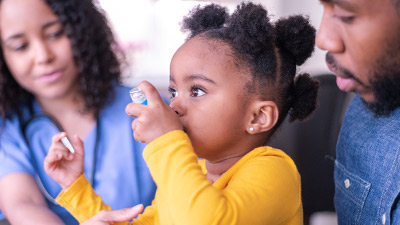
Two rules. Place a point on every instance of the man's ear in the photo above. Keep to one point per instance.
(265, 116)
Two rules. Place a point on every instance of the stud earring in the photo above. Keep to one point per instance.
(251, 129)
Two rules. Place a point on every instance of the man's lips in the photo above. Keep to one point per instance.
(344, 83)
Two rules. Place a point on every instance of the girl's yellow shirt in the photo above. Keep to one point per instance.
(263, 187)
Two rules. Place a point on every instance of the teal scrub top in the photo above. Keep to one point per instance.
(121, 176)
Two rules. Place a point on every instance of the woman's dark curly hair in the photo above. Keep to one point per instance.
(95, 53)
(270, 50)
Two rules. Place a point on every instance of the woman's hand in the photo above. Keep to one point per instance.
(110, 217)
(60, 164)
(154, 119)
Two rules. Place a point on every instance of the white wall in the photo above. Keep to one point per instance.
(149, 32)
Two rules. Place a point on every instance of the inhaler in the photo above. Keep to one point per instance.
(138, 96)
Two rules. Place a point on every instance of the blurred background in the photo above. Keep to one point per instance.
(149, 33)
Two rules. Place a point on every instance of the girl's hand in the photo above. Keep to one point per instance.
(154, 119)
(110, 217)
(60, 164)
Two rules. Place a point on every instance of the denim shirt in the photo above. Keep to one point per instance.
(367, 167)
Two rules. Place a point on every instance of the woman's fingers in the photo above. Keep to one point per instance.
(58, 151)
(110, 217)
(57, 137)
(123, 214)
(78, 145)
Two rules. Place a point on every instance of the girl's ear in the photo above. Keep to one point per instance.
(264, 117)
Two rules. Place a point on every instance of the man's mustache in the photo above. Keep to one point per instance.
(333, 63)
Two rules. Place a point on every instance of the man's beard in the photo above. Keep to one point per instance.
(385, 83)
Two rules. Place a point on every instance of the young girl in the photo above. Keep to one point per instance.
(58, 60)
(232, 84)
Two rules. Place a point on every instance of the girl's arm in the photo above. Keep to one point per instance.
(85, 205)
(66, 168)
(81, 200)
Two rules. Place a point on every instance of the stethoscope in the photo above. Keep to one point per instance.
(35, 117)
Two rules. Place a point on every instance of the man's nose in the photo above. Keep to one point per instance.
(328, 36)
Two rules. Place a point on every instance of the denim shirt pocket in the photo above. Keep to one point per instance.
(350, 194)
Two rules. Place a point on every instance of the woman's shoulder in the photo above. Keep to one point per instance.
(122, 88)
(122, 92)
(11, 131)
(11, 125)
(120, 98)
(14, 120)
(114, 112)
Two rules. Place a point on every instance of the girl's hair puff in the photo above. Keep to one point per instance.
(271, 51)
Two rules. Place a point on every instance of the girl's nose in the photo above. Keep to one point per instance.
(177, 105)
(328, 36)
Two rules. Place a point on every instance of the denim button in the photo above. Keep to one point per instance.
(347, 183)
(384, 218)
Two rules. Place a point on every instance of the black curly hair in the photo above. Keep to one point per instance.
(95, 53)
(270, 50)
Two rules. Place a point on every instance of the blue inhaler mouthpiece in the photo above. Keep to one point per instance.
(138, 96)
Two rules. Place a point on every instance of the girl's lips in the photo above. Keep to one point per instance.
(51, 77)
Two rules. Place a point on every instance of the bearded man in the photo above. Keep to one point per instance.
(362, 40)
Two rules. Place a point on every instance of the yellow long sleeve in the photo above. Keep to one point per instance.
(82, 202)
(81, 194)
(263, 187)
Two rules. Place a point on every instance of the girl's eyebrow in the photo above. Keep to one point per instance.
(171, 78)
(198, 77)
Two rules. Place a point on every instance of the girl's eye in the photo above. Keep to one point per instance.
(173, 92)
(197, 92)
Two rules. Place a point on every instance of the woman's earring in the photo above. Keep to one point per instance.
(251, 129)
